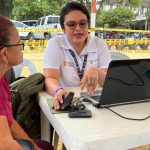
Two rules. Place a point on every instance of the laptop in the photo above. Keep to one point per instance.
(127, 81)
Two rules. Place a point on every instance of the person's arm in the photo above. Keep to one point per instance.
(53, 86)
(97, 75)
(51, 80)
(17, 132)
(6, 139)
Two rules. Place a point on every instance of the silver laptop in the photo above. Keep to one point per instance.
(127, 81)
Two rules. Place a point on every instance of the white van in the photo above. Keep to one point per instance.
(47, 22)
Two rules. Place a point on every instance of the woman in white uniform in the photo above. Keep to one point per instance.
(75, 58)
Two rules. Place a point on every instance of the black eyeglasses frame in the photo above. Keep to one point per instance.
(73, 24)
(11, 45)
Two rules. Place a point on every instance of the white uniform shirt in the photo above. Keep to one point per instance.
(57, 56)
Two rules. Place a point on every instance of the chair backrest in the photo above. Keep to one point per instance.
(26, 63)
(27, 145)
(10, 74)
(118, 56)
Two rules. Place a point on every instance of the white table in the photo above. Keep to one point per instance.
(104, 131)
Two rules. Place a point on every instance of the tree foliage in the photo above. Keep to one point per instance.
(26, 9)
(6, 7)
(148, 11)
(115, 17)
(135, 3)
(87, 3)
(132, 3)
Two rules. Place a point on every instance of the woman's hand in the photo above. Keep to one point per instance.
(58, 99)
(90, 80)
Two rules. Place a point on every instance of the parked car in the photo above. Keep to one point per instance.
(47, 22)
(30, 23)
(23, 35)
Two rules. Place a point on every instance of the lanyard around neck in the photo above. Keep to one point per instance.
(80, 72)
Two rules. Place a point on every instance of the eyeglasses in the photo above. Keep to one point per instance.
(11, 45)
(72, 24)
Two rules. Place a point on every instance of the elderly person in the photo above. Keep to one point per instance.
(10, 55)
(75, 58)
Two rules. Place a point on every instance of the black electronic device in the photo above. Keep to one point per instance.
(67, 99)
(127, 82)
(80, 114)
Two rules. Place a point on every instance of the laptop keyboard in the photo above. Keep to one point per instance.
(97, 98)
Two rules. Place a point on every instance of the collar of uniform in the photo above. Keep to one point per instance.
(65, 43)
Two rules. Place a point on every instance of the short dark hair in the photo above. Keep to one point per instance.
(5, 25)
(71, 6)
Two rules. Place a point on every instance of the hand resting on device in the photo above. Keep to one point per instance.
(71, 104)
(62, 100)
(67, 99)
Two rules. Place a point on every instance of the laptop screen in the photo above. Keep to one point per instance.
(127, 81)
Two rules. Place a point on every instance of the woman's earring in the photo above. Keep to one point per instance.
(6, 62)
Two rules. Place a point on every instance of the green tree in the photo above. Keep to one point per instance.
(117, 17)
(87, 3)
(6, 7)
(26, 9)
(147, 20)
(135, 3)
(132, 3)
